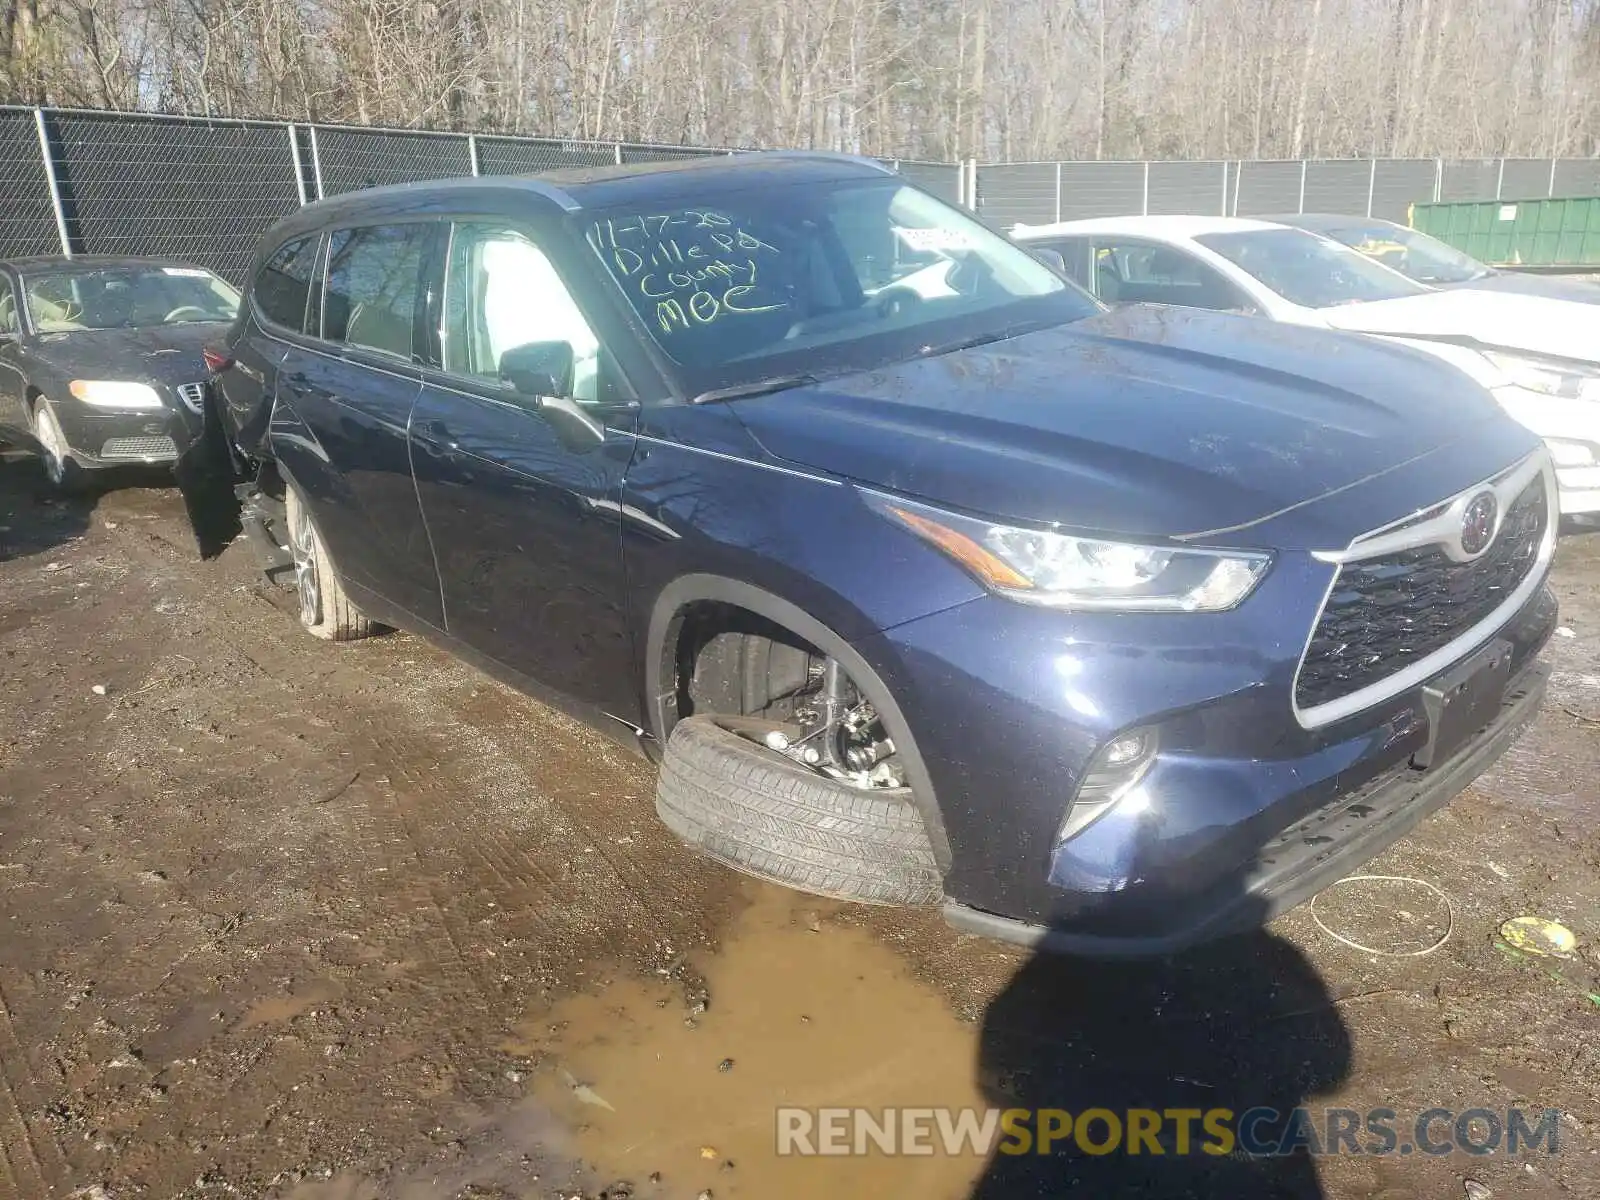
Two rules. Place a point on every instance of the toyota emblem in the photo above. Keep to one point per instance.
(1478, 522)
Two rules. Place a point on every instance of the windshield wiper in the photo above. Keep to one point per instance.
(983, 339)
(756, 387)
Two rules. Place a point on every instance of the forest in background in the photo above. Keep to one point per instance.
(940, 79)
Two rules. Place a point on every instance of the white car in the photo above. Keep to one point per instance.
(1539, 356)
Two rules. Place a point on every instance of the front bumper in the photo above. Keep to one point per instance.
(1242, 813)
(101, 438)
(1314, 852)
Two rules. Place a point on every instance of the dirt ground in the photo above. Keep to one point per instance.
(289, 919)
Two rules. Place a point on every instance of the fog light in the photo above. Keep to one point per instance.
(1571, 454)
(1116, 767)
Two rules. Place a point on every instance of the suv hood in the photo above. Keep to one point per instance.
(1147, 420)
(1475, 316)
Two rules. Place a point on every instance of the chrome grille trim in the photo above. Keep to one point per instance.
(146, 448)
(1432, 526)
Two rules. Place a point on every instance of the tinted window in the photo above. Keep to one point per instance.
(1411, 253)
(502, 292)
(1151, 273)
(1074, 255)
(739, 285)
(373, 277)
(285, 282)
(1308, 270)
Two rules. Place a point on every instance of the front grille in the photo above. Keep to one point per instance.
(139, 447)
(1385, 613)
(193, 395)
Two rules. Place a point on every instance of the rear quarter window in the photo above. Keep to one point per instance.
(284, 283)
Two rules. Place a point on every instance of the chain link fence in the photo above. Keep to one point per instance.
(1041, 193)
(206, 189)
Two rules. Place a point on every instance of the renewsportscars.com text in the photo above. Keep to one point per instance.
(1256, 1132)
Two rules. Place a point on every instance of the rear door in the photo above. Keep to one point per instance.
(345, 395)
(526, 525)
(275, 311)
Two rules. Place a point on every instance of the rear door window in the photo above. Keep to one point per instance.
(284, 284)
(1153, 273)
(374, 280)
(1075, 253)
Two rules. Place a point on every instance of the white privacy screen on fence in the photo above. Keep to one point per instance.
(206, 189)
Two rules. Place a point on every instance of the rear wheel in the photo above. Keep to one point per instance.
(65, 475)
(325, 611)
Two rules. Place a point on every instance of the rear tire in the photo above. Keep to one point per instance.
(766, 815)
(325, 611)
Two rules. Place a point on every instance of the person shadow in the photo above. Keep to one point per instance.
(1242, 1023)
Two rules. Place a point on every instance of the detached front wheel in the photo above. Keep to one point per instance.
(763, 813)
(325, 611)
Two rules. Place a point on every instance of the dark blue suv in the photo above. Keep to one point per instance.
(926, 579)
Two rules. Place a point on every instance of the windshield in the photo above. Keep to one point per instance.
(742, 286)
(1308, 270)
(126, 298)
(1425, 259)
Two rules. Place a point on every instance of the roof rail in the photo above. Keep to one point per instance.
(834, 156)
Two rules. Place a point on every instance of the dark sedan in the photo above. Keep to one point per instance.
(926, 578)
(100, 358)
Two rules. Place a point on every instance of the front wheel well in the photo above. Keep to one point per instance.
(720, 646)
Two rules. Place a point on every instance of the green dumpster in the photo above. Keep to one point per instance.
(1547, 234)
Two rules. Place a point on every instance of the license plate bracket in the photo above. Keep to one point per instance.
(1462, 701)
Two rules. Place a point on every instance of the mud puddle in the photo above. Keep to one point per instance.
(802, 1012)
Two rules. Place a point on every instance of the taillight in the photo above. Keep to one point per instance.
(216, 361)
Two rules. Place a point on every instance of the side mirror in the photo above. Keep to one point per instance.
(538, 369)
(542, 373)
(1052, 259)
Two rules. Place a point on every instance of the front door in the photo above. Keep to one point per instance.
(526, 527)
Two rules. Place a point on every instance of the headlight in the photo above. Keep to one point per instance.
(1065, 571)
(115, 393)
(1571, 380)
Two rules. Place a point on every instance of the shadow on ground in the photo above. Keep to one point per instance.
(1238, 1024)
(33, 519)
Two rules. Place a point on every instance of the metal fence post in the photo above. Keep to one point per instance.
(1372, 183)
(294, 159)
(1145, 203)
(1058, 191)
(472, 152)
(1438, 179)
(617, 150)
(316, 160)
(1303, 164)
(47, 156)
(1500, 181)
(1552, 189)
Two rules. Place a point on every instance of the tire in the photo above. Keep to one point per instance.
(67, 477)
(325, 611)
(766, 815)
